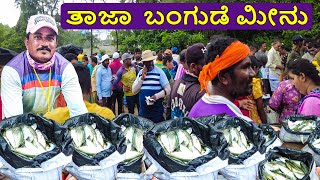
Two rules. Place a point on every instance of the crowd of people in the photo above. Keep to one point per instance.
(224, 76)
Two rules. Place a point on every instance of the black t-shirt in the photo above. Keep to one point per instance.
(184, 95)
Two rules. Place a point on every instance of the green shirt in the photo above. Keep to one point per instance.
(166, 71)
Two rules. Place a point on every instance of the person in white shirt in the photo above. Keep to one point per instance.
(274, 65)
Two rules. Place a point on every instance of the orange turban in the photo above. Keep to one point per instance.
(233, 54)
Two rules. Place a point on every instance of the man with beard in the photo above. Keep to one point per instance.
(32, 80)
(186, 90)
(104, 83)
(154, 86)
(226, 76)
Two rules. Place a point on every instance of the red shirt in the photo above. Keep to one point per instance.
(244, 111)
(115, 66)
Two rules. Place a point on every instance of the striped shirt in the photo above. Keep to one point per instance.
(22, 93)
(153, 83)
(155, 79)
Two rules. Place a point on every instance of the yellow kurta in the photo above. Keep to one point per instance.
(256, 94)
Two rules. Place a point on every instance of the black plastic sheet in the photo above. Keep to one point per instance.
(315, 135)
(254, 134)
(127, 120)
(293, 154)
(267, 130)
(157, 152)
(110, 130)
(52, 131)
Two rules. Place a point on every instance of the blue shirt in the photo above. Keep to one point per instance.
(104, 84)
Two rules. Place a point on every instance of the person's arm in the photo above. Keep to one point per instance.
(11, 93)
(165, 85)
(261, 112)
(72, 92)
(166, 91)
(276, 99)
(117, 79)
(98, 84)
(136, 86)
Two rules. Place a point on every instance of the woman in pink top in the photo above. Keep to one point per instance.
(285, 99)
(306, 78)
(182, 66)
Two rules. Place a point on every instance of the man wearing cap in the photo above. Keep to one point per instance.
(127, 74)
(154, 86)
(226, 76)
(116, 94)
(104, 83)
(32, 80)
(296, 52)
(186, 90)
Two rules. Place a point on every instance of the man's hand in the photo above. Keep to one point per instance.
(246, 104)
(280, 67)
(100, 102)
(126, 89)
(154, 98)
(144, 73)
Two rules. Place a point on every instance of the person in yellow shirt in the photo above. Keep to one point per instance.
(60, 115)
(257, 113)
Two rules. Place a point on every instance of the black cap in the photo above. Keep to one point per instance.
(297, 38)
(195, 54)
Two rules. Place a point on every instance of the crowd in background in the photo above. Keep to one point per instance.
(164, 84)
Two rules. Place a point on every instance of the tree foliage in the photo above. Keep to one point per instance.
(157, 40)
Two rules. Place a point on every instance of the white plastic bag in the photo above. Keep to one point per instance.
(272, 116)
(106, 170)
(276, 143)
(51, 169)
(246, 171)
(207, 171)
(286, 136)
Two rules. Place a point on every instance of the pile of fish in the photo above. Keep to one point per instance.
(237, 142)
(306, 126)
(182, 145)
(134, 142)
(284, 168)
(27, 141)
(88, 140)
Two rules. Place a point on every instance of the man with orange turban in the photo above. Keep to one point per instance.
(226, 76)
